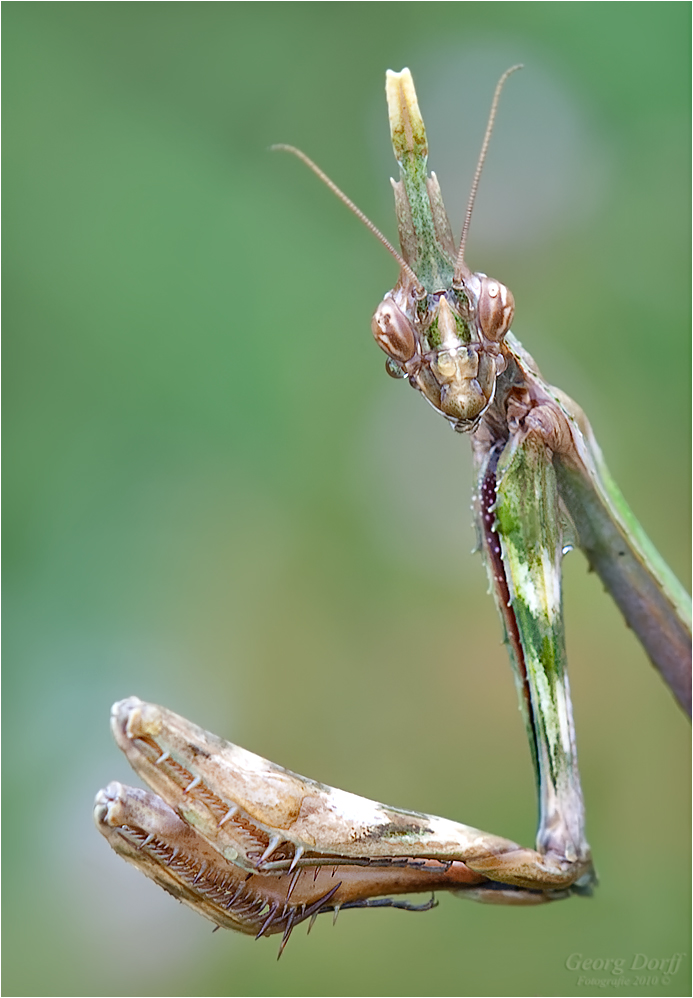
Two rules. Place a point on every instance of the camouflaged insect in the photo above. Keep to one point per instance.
(257, 848)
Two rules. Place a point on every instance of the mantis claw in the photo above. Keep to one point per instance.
(216, 804)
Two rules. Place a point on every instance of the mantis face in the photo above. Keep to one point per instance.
(448, 344)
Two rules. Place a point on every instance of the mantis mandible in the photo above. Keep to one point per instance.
(256, 848)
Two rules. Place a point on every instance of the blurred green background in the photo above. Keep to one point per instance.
(215, 499)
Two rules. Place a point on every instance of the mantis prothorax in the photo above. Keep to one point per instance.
(259, 849)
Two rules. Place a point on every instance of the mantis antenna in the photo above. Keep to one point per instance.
(352, 207)
(461, 268)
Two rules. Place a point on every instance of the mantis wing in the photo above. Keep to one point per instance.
(650, 597)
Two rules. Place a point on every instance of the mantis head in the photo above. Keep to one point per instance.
(442, 326)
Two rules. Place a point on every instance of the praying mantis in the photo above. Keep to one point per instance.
(259, 849)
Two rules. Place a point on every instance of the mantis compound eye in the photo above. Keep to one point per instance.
(495, 309)
(393, 332)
